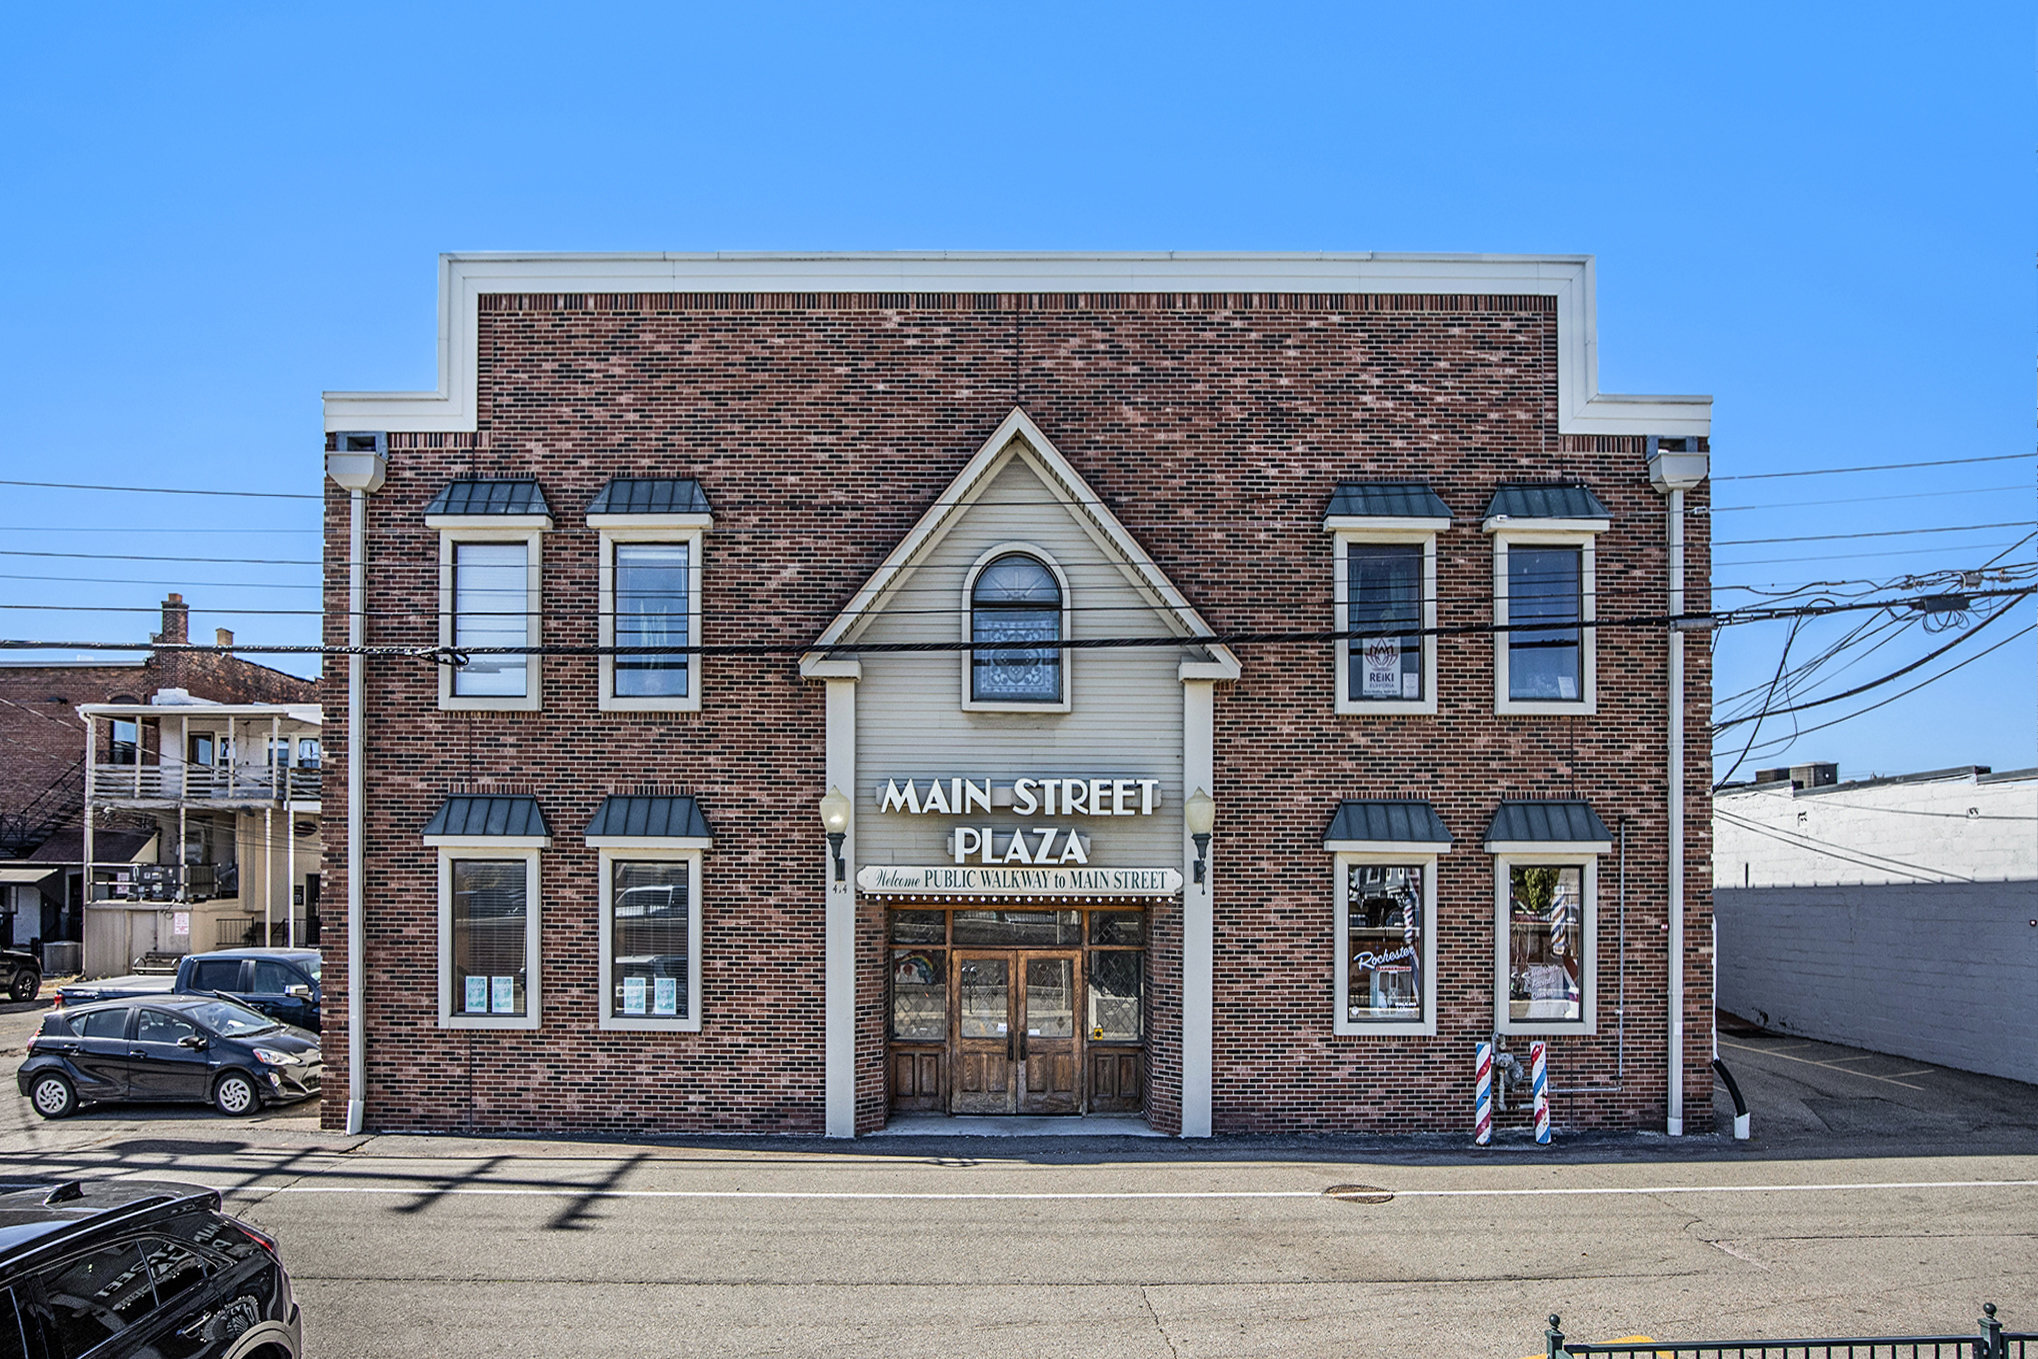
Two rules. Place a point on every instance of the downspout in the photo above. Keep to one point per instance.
(1672, 472)
(357, 466)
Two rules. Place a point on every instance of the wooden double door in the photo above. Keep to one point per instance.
(1015, 1039)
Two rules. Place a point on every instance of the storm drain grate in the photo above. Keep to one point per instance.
(1359, 1193)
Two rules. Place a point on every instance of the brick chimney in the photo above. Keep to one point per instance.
(176, 621)
(223, 636)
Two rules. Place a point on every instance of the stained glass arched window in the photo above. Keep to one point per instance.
(1016, 599)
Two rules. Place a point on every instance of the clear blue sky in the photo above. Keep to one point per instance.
(1821, 215)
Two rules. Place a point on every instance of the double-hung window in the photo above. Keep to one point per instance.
(1545, 902)
(1544, 653)
(1384, 587)
(490, 571)
(651, 532)
(1384, 896)
(649, 851)
(489, 904)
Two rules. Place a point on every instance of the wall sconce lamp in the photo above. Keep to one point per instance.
(1199, 814)
(835, 820)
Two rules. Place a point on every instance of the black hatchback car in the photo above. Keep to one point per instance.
(192, 1049)
(136, 1269)
(20, 974)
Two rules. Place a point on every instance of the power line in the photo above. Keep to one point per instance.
(2024, 632)
(1862, 499)
(1884, 467)
(1925, 659)
(1874, 533)
(1728, 618)
(162, 490)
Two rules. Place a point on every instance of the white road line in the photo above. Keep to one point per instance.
(1824, 1066)
(572, 1192)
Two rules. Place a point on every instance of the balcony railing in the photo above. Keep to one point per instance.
(204, 783)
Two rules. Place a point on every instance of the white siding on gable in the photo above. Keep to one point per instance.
(1126, 716)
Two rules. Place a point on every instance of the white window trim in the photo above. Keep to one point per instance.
(649, 849)
(1068, 658)
(1507, 857)
(1579, 533)
(498, 847)
(1360, 529)
(528, 529)
(1418, 856)
(636, 528)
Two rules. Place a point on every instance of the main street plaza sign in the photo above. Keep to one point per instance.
(994, 881)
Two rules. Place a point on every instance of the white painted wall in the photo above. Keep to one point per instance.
(1901, 918)
(1957, 830)
(1125, 720)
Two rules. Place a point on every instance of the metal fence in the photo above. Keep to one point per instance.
(1988, 1341)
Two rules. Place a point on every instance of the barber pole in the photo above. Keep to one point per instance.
(1539, 1082)
(1482, 1118)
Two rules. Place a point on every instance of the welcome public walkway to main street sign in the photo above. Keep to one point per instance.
(993, 881)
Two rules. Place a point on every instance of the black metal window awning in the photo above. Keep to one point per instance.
(1554, 823)
(478, 496)
(650, 495)
(469, 816)
(1385, 500)
(1387, 824)
(664, 818)
(1539, 501)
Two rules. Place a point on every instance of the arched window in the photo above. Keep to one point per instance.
(1016, 599)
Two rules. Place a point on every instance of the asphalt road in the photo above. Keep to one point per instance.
(1861, 1207)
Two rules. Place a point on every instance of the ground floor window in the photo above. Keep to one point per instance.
(1386, 972)
(1016, 1011)
(650, 945)
(488, 938)
(1546, 945)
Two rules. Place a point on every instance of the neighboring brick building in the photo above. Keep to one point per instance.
(1237, 877)
(42, 754)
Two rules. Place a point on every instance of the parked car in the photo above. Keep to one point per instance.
(192, 1049)
(20, 974)
(282, 983)
(123, 1269)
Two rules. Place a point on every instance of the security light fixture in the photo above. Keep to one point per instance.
(835, 820)
(1199, 814)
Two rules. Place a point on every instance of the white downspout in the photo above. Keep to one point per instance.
(1676, 832)
(1672, 473)
(357, 467)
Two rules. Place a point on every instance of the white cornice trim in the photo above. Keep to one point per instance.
(1017, 436)
(1581, 407)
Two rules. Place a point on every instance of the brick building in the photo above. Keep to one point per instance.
(43, 767)
(824, 693)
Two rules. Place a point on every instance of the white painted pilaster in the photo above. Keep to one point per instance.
(840, 965)
(1199, 926)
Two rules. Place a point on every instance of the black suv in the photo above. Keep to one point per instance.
(190, 1049)
(20, 974)
(123, 1269)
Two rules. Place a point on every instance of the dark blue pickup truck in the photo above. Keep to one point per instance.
(282, 983)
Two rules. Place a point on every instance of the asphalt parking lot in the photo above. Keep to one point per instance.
(1875, 1195)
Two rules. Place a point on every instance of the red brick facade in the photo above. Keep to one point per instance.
(821, 427)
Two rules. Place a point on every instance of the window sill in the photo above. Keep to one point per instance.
(1383, 1028)
(987, 706)
(1546, 707)
(456, 703)
(1388, 707)
(509, 1022)
(683, 703)
(647, 1024)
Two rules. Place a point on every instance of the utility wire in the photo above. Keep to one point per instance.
(1925, 659)
(162, 490)
(1874, 533)
(1885, 467)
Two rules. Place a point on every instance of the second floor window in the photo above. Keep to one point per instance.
(653, 605)
(1016, 599)
(491, 608)
(1384, 588)
(1545, 588)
